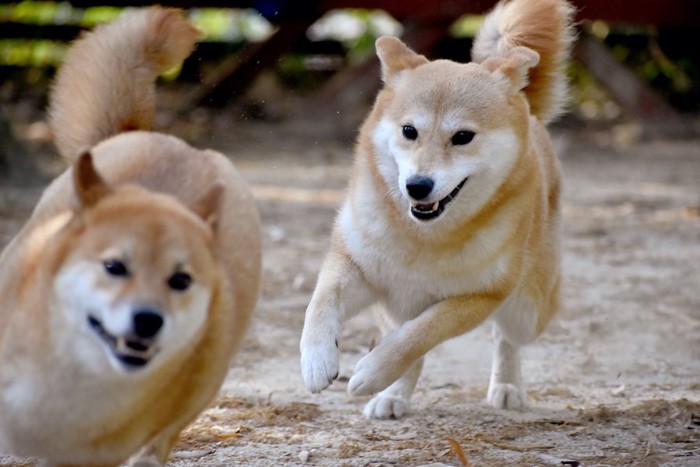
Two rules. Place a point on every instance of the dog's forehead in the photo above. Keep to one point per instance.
(151, 238)
(461, 92)
(448, 77)
(153, 214)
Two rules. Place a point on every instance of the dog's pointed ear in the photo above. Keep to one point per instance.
(395, 57)
(90, 187)
(513, 67)
(207, 206)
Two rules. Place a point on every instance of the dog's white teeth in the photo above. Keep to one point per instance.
(427, 208)
(122, 346)
(134, 348)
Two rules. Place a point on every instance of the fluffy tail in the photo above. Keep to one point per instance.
(106, 84)
(544, 26)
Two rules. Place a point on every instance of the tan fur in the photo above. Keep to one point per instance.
(111, 106)
(159, 205)
(529, 24)
(491, 251)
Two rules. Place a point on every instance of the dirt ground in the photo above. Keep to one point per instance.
(615, 380)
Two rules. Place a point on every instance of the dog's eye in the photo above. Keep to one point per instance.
(115, 267)
(462, 137)
(179, 281)
(409, 132)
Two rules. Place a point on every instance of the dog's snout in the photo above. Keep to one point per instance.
(419, 187)
(147, 323)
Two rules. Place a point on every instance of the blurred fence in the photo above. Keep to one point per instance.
(424, 25)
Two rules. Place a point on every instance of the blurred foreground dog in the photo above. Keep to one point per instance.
(133, 282)
(452, 214)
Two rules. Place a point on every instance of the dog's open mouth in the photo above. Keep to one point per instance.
(133, 352)
(429, 211)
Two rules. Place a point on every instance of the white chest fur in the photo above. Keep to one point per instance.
(51, 408)
(409, 277)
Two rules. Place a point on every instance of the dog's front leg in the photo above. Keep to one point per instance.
(340, 293)
(395, 401)
(401, 348)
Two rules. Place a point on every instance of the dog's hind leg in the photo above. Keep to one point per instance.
(505, 388)
(514, 326)
(394, 401)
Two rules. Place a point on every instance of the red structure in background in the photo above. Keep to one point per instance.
(658, 12)
(426, 24)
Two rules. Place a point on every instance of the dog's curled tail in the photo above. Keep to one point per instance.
(106, 84)
(544, 26)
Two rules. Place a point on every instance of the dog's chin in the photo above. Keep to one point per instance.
(425, 212)
(132, 353)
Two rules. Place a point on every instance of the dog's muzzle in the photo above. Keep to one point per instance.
(430, 211)
(136, 349)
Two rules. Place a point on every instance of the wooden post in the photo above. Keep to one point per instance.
(237, 72)
(634, 96)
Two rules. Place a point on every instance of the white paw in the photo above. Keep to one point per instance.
(370, 375)
(507, 396)
(384, 407)
(319, 365)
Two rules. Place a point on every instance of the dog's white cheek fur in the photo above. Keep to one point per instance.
(118, 320)
(498, 152)
(391, 159)
(186, 323)
(76, 296)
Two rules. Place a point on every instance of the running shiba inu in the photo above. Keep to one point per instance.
(452, 214)
(131, 286)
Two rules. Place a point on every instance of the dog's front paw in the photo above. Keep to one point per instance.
(384, 406)
(370, 375)
(319, 365)
(507, 396)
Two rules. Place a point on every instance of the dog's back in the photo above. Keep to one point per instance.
(106, 84)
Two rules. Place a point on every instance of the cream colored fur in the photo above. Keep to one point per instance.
(140, 222)
(452, 214)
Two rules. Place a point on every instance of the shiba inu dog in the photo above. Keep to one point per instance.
(131, 286)
(452, 213)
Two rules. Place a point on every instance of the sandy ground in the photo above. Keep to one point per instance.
(615, 380)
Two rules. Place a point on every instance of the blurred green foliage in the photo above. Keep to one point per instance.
(654, 55)
(467, 26)
(670, 69)
(19, 52)
(356, 29)
(231, 25)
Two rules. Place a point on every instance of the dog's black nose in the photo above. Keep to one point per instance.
(147, 323)
(419, 187)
